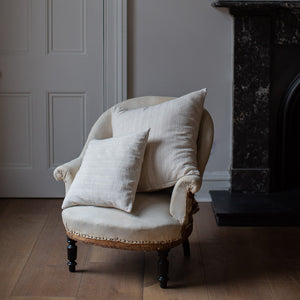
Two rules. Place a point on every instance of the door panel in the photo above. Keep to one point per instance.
(66, 37)
(15, 16)
(16, 152)
(50, 89)
(62, 133)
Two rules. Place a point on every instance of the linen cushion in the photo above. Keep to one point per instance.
(171, 152)
(109, 172)
(149, 221)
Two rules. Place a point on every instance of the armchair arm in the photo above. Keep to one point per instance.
(67, 172)
(182, 199)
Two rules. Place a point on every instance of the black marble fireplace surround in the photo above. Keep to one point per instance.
(265, 186)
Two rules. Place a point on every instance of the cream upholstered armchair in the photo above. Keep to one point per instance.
(159, 219)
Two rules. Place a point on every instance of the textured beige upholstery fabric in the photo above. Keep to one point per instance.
(179, 205)
(67, 172)
(149, 221)
(109, 172)
(141, 224)
(171, 152)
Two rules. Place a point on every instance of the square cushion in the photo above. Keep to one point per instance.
(109, 172)
(171, 150)
(149, 222)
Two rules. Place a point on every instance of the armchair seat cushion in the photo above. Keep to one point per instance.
(149, 222)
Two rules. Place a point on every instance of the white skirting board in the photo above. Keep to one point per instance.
(213, 181)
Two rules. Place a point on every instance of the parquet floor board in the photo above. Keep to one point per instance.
(112, 274)
(186, 275)
(45, 273)
(245, 263)
(3, 205)
(18, 235)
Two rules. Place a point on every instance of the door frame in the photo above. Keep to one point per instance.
(114, 62)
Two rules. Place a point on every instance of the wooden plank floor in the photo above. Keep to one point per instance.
(225, 263)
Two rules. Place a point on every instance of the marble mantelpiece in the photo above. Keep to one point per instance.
(259, 28)
(257, 4)
(266, 40)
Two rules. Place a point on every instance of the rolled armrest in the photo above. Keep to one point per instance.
(182, 198)
(67, 172)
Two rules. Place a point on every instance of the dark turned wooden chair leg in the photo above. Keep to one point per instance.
(186, 248)
(163, 267)
(72, 254)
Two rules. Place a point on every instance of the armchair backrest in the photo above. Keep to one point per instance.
(102, 128)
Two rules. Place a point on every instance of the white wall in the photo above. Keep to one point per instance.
(175, 47)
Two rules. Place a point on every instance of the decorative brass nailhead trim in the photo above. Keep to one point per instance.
(131, 245)
(122, 240)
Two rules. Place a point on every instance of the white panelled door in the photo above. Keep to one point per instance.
(51, 87)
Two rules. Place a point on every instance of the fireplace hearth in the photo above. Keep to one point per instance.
(265, 174)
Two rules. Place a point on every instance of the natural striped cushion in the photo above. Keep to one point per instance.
(109, 172)
(171, 151)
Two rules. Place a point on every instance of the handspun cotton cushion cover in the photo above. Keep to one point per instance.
(171, 150)
(109, 172)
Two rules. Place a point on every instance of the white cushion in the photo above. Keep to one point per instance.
(171, 152)
(149, 221)
(109, 172)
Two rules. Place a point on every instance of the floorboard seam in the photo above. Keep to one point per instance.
(143, 279)
(29, 255)
(82, 274)
(202, 258)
